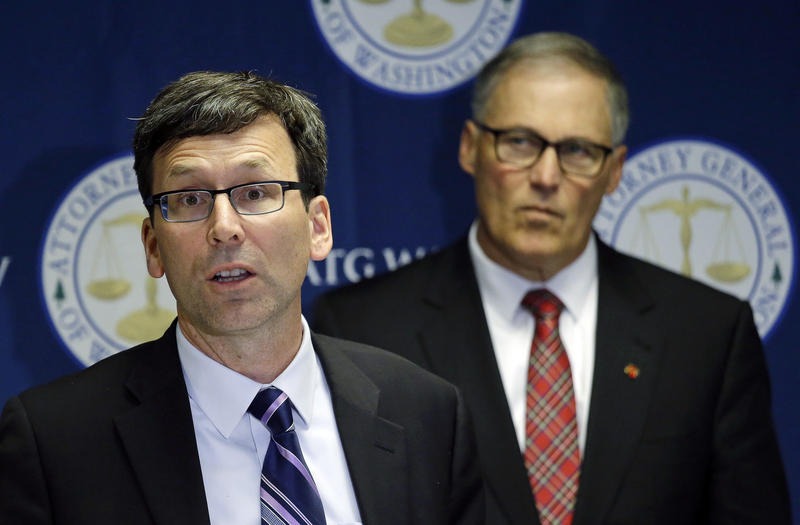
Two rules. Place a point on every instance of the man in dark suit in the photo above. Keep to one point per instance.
(168, 432)
(666, 383)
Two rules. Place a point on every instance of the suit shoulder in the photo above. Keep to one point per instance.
(106, 375)
(674, 291)
(382, 367)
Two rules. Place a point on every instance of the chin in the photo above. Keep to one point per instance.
(538, 243)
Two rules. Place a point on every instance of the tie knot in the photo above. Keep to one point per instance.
(273, 407)
(543, 304)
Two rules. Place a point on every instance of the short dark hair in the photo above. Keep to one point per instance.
(208, 102)
(553, 47)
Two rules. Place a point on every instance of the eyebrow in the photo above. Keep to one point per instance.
(180, 169)
(257, 163)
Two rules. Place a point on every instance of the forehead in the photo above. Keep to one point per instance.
(263, 146)
(559, 100)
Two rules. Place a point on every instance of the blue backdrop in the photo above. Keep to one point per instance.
(717, 79)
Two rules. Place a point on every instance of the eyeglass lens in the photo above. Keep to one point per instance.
(575, 156)
(195, 205)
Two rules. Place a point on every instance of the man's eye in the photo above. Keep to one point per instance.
(191, 200)
(577, 149)
(255, 194)
(522, 141)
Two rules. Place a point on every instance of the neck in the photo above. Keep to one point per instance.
(533, 266)
(260, 354)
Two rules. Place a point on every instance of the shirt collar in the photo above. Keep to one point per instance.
(224, 394)
(572, 284)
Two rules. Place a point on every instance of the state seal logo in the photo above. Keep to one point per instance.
(704, 210)
(415, 47)
(94, 282)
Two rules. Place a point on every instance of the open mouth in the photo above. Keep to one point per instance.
(229, 276)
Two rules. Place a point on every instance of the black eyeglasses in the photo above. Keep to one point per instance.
(254, 198)
(521, 148)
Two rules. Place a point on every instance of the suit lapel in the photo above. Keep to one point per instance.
(158, 435)
(626, 350)
(371, 444)
(457, 344)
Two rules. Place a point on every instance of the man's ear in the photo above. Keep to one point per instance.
(617, 160)
(321, 229)
(155, 266)
(468, 147)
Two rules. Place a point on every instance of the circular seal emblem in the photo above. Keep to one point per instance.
(416, 47)
(704, 210)
(94, 281)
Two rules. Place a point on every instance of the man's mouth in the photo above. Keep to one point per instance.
(228, 276)
(541, 210)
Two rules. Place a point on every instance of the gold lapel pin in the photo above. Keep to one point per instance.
(631, 370)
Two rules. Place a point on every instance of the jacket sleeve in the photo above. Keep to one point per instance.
(467, 505)
(748, 482)
(23, 492)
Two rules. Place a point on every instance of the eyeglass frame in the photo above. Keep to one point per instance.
(286, 185)
(496, 132)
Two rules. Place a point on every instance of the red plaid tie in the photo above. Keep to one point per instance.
(552, 457)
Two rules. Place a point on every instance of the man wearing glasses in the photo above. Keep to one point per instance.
(238, 414)
(603, 389)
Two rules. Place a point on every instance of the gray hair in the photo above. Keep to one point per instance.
(554, 47)
(207, 103)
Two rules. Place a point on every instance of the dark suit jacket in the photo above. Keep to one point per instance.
(690, 440)
(114, 444)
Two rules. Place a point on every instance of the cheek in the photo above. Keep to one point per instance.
(167, 257)
(499, 184)
(587, 202)
(489, 195)
(179, 251)
(289, 238)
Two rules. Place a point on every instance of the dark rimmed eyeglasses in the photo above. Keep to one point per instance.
(253, 198)
(521, 148)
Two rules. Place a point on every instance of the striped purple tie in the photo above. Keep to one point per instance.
(288, 493)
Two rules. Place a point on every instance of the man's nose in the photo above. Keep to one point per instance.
(225, 223)
(546, 171)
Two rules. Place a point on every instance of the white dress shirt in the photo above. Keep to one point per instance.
(232, 443)
(511, 326)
